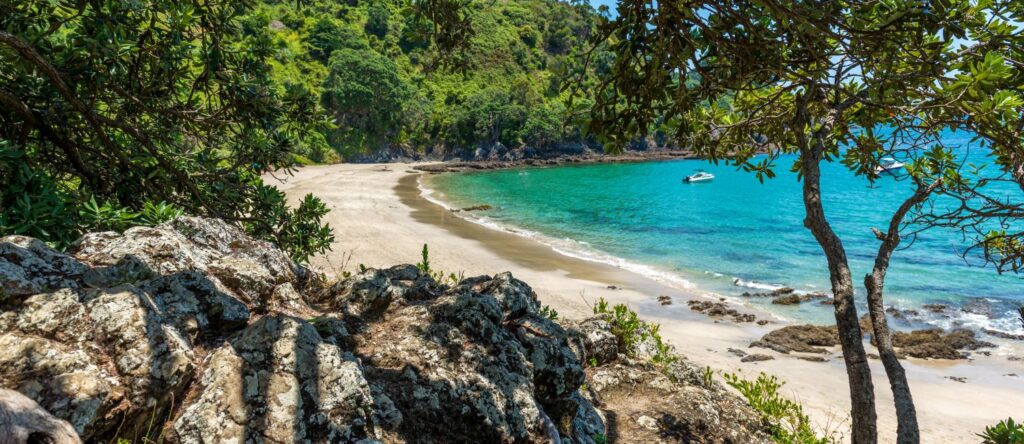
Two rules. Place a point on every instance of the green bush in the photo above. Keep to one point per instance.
(132, 122)
(1005, 432)
(632, 331)
(424, 263)
(549, 313)
(785, 419)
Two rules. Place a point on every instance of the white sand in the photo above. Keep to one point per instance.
(381, 220)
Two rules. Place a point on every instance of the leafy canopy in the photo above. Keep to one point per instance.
(132, 103)
(848, 81)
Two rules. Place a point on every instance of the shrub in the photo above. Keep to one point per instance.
(785, 419)
(424, 264)
(632, 332)
(549, 313)
(1005, 432)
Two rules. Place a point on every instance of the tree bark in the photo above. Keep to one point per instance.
(907, 430)
(862, 392)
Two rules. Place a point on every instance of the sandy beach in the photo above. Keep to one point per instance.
(381, 219)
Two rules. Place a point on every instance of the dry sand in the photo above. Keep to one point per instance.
(381, 219)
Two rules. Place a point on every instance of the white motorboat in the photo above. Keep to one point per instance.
(888, 164)
(700, 176)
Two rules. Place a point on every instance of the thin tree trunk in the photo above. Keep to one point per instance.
(907, 430)
(906, 415)
(862, 392)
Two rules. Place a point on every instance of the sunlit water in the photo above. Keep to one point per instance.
(735, 235)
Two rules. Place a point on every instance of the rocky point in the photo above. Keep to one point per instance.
(194, 332)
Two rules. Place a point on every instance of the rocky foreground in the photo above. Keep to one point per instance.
(193, 332)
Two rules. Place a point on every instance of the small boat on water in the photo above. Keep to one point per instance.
(888, 164)
(700, 176)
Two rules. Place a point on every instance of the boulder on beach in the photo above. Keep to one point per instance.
(799, 338)
(928, 343)
(936, 344)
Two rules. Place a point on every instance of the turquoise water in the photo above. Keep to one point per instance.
(734, 235)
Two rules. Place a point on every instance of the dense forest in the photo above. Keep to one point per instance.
(124, 113)
(384, 85)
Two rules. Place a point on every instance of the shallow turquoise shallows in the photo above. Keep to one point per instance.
(734, 235)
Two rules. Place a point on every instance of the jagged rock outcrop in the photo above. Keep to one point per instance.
(675, 402)
(109, 335)
(198, 333)
(278, 381)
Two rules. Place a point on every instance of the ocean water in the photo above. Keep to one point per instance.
(735, 235)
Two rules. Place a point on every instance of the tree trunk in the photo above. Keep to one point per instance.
(907, 430)
(862, 392)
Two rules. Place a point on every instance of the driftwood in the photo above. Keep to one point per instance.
(23, 421)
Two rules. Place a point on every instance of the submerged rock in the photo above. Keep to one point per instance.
(720, 309)
(1002, 334)
(795, 299)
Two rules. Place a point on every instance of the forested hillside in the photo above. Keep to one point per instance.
(124, 113)
(382, 82)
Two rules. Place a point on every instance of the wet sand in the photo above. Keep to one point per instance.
(381, 219)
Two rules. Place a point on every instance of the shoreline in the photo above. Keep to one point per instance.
(382, 219)
(454, 166)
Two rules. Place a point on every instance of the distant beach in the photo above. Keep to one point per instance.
(381, 218)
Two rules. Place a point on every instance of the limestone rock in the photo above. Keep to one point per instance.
(108, 337)
(151, 356)
(193, 244)
(599, 343)
(28, 266)
(70, 383)
(58, 315)
(279, 382)
(649, 407)
(513, 295)
(556, 372)
(370, 292)
(22, 421)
